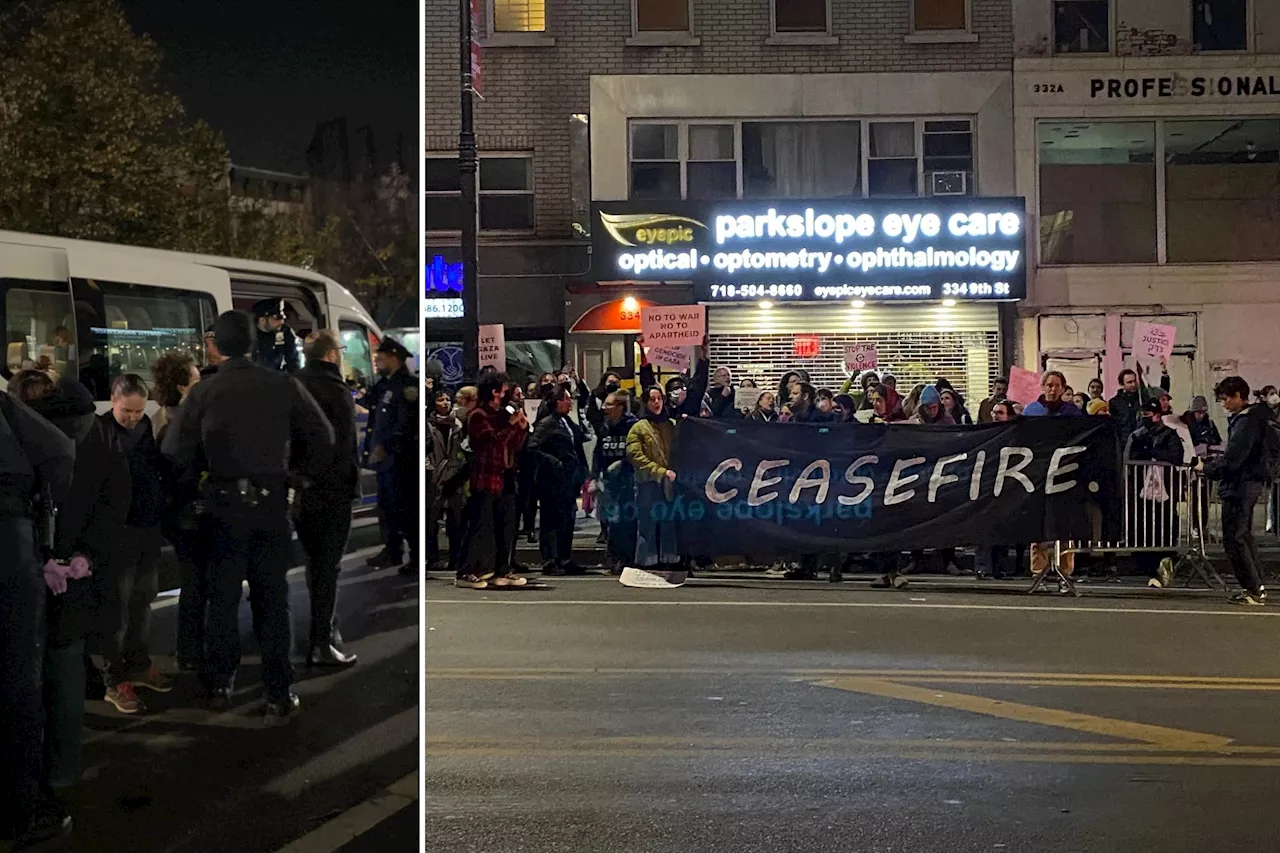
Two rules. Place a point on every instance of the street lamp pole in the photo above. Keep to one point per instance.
(467, 166)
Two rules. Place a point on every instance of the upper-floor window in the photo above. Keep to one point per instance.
(1220, 24)
(505, 193)
(518, 16)
(801, 159)
(1082, 26)
(801, 16)
(661, 16)
(939, 15)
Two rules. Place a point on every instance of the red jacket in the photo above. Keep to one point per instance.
(494, 442)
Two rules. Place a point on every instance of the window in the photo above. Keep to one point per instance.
(1097, 192)
(38, 323)
(505, 194)
(933, 15)
(948, 158)
(655, 161)
(124, 328)
(891, 159)
(800, 16)
(801, 159)
(713, 167)
(1220, 24)
(519, 16)
(357, 361)
(1082, 26)
(1220, 183)
(662, 16)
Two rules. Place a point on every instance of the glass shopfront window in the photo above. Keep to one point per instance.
(1220, 190)
(1097, 192)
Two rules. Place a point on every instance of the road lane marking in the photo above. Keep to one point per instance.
(396, 732)
(1061, 679)
(357, 820)
(1171, 739)
(516, 599)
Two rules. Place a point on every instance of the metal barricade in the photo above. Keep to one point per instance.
(1166, 511)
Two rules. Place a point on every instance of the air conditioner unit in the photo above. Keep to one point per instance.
(948, 183)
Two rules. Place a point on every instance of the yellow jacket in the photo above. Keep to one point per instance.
(649, 449)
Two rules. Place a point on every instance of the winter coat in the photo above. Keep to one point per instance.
(558, 442)
(649, 449)
(1038, 408)
(1154, 443)
(1245, 460)
(149, 495)
(611, 444)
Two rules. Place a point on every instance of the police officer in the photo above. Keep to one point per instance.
(35, 458)
(323, 509)
(249, 426)
(277, 347)
(391, 451)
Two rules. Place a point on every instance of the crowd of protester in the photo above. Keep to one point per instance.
(489, 468)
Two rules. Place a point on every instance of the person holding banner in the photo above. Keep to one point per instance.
(614, 477)
(558, 441)
(1051, 404)
(649, 450)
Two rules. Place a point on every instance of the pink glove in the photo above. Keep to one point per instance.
(79, 566)
(55, 577)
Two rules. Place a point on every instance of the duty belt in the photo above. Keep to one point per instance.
(243, 491)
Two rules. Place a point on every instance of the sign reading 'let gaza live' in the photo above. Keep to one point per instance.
(818, 250)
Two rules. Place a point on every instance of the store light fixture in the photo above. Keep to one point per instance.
(948, 303)
(858, 303)
(630, 305)
(766, 305)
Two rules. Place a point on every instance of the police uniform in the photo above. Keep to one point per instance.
(394, 416)
(249, 426)
(278, 349)
(33, 453)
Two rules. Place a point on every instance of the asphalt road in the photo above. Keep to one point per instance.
(182, 778)
(772, 716)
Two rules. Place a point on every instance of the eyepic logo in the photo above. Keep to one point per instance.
(649, 229)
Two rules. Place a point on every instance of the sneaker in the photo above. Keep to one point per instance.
(124, 698)
(898, 582)
(1249, 599)
(219, 698)
(154, 680)
(895, 581)
(509, 580)
(470, 582)
(278, 713)
(45, 830)
(1155, 583)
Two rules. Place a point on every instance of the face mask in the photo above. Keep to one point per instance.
(1273, 400)
(612, 386)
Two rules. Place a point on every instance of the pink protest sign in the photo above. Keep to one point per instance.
(1024, 385)
(1152, 340)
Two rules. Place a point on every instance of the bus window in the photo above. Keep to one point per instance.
(38, 319)
(357, 357)
(125, 328)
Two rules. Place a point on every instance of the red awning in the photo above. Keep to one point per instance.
(617, 317)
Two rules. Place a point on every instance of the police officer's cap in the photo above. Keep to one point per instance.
(391, 346)
(269, 308)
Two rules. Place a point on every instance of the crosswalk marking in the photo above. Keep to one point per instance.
(393, 733)
(356, 821)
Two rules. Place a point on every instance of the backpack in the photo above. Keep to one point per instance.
(1271, 450)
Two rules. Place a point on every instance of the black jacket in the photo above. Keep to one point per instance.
(611, 443)
(1245, 460)
(696, 387)
(149, 496)
(564, 464)
(241, 421)
(89, 521)
(1154, 443)
(325, 383)
(1204, 432)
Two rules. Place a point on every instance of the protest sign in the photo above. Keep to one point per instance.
(860, 357)
(1152, 340)
(493, 347)
(745, 399)
(676, 358)
(1024, 385)
(674, 325)
(771, 490)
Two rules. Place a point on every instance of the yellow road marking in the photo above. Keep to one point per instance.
(1173, 739)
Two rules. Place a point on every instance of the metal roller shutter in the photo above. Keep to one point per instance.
(918, 343)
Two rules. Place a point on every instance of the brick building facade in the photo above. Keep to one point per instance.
(733, 63)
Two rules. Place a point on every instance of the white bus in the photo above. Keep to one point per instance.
(96, 310)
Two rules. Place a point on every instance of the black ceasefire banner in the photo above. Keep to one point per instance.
(788, 489)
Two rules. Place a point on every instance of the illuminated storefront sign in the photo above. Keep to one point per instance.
(443, 309)
(790, 250)
(443, 276)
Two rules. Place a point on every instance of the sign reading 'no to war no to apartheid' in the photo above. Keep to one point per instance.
(786, 489)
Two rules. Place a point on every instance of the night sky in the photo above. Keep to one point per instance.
(265, 72)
